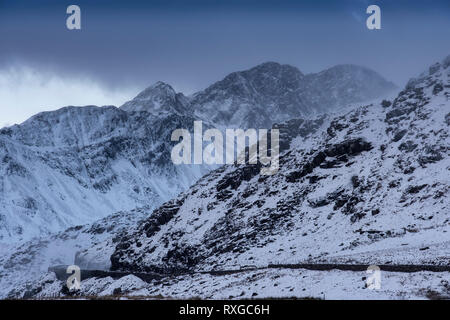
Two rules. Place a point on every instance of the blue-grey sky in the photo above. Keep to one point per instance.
(124, 46)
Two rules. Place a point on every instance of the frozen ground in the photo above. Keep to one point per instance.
(260, 284)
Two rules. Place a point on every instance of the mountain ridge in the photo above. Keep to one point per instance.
(78, 164)
(272, 92)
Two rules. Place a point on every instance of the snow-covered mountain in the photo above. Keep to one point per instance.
(367, 186)
(158, 98)
(370, 185)
(79, 164)
(271, 92)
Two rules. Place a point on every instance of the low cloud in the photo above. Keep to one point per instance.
(25, 91)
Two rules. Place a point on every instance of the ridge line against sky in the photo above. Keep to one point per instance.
(125, 46)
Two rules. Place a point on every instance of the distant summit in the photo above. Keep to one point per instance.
(160, 97)
(266, 94)
(272, 92)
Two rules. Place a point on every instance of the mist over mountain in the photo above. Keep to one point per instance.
(271, 92)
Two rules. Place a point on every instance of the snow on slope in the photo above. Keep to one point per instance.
(158, 98)
(370, 186)
(22, 264)
(89, 246)
(76, 165)
(260, 284)
(376, 177)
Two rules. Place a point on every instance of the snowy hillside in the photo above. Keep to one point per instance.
(368, 186)
(79, 164)
(22, 264)
(271, 283)
(376, 178)
(76, 165)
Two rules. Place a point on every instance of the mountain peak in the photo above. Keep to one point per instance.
(159, 89)
(272, 66)
(274, 69)
(158, 97)
(267, 73)
(346, 84)
(273, 92)
(353, 70)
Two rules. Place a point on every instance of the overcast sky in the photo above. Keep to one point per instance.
(125, 46)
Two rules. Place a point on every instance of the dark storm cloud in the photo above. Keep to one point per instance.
(192, 43)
